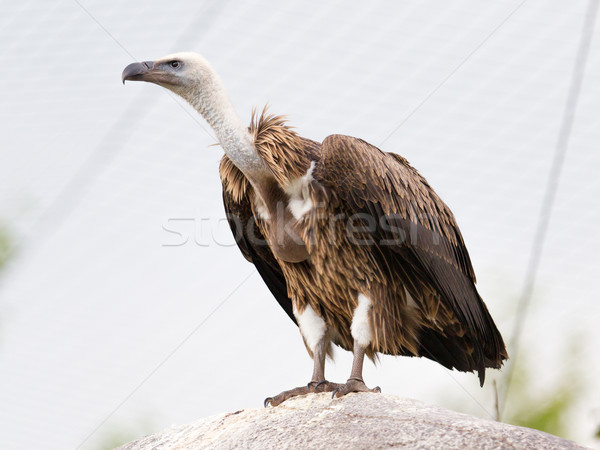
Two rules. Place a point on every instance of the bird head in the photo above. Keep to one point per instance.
(190, 76)
(186, 74)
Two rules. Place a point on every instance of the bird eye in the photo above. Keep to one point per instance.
(175, 64)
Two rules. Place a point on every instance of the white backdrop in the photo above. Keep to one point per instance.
(103, 326)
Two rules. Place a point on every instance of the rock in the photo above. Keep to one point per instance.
(356, 421)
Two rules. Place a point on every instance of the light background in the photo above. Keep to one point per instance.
(91, 173)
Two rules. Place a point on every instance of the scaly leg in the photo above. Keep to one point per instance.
(355, 383)
(317, 382)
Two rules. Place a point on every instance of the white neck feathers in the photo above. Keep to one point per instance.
(209, 98)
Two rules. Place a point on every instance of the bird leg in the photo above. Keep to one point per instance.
(355, 383)
(318, 383)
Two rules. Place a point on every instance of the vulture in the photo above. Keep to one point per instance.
(352, 241)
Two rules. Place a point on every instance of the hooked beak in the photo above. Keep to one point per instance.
(137, 71)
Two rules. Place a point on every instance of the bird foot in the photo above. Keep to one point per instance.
(310, 388)
(353, 385)
(324, 386)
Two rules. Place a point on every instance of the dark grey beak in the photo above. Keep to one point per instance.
(136, 71)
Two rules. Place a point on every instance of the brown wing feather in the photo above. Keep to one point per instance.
(369, 175)
(417, 242)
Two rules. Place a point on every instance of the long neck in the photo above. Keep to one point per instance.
(214, 105)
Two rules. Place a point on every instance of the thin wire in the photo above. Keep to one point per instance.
(194, 117)
(492, 416)
(188, 33)
(466, 391)
(552, 185)
(456, 69)
(104, 28)
(165, 359)
(108, 148)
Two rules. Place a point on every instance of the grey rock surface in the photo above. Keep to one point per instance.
(356, 421)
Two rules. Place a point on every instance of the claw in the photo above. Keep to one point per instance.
(353, 385)
(320, 383)
(310, 388)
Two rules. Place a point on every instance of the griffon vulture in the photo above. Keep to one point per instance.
(352, 241)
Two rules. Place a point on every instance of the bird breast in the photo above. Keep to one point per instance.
(281, 211)
(284, 235)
